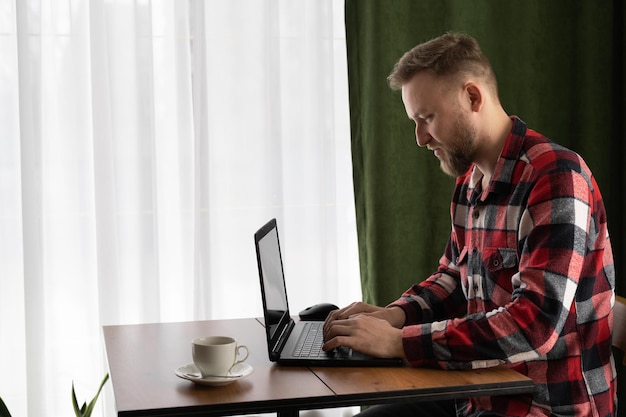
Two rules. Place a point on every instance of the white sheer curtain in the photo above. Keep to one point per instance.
(142, 144)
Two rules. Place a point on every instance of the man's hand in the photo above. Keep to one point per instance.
(394, 315)
(367, 334)
(366, 328)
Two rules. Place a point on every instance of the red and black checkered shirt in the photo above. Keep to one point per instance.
(527, 280)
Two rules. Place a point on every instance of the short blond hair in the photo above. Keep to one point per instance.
(447, 55)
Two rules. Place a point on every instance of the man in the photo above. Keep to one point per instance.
(527, 276)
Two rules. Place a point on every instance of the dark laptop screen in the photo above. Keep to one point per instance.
(272, 278)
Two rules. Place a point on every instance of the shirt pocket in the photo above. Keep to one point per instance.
(498, 259)
(500, 265)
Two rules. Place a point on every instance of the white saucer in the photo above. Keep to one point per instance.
(191, 373)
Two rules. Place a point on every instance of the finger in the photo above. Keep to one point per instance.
(331, 344)
(337, 342)
(329, 322)
(344, 312)
(336, 315)
(339, 327)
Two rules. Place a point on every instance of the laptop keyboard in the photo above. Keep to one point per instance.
(311, 341)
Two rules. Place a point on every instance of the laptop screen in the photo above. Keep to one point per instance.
(275, 306)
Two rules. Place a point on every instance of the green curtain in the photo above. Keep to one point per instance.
(560, 67)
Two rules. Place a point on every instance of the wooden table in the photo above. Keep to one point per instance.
(142, 360)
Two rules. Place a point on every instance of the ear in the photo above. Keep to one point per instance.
(475, 96)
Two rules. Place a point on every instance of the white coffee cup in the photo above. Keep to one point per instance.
(216, 355)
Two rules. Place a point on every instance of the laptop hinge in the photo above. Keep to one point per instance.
(282, 339)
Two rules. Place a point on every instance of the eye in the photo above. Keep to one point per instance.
(427, 119)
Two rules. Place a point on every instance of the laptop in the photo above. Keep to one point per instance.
(287, 342)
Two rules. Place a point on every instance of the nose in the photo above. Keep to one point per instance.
(422, 137)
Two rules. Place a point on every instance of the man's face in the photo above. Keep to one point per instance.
(442, 120)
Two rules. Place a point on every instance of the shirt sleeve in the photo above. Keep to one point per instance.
(438, 297)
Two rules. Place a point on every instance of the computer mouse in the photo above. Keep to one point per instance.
(317, 312)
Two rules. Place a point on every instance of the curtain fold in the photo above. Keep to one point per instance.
(143, 144)
(402, 198)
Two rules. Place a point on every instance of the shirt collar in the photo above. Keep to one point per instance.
(503, 171)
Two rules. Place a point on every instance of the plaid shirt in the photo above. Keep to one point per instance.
(527, 280)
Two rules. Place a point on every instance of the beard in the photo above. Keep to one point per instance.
(459, 157)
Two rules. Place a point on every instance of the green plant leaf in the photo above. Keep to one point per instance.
(4, 411)
(77, 410)
(92, 404)
(86, 410)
